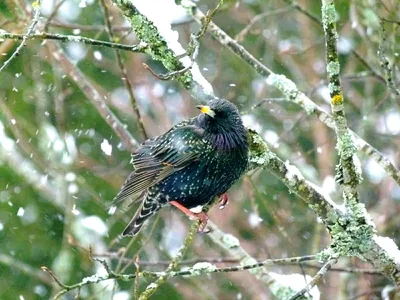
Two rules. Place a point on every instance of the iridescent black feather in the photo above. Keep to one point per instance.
(192, 163)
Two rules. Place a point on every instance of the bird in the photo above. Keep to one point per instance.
(188, 166)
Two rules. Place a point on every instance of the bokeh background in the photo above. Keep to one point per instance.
(61, 164)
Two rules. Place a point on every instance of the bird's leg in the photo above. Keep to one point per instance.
(202, 216)
(223, 200)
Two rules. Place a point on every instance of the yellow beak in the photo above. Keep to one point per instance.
(206, 110)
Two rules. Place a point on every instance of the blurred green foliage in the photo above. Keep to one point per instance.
(36, 93)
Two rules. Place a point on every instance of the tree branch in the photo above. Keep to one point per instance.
(198, 269)
(141, 48)
(288, 88)
(349, 168)
(31, 28)
(126, 80)
(163, 46)
(151, 288)
(316, 279)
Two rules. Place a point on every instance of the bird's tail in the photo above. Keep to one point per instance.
(148, 208)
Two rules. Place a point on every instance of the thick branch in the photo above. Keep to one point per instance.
(166, 49)
(262, 157)
(349, 166)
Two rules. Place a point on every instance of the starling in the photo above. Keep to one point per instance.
(189, 165)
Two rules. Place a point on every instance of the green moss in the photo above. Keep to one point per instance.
(259, 153)
(328, 14)
(333, 68)
(333, 88)
(250, 261)
(352, 234)
(230, 241)
(302, 187)
(157, 48)
(281, 292)
(332, 217)
(325, 254)
(286, 86)
(202, 268)
(345, 145)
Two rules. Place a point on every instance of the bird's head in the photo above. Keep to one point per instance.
(220, 115)
(222, 123)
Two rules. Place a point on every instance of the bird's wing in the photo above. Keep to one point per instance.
(158, 158)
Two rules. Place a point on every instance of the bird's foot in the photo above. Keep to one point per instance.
(201, 216)
(223, 200)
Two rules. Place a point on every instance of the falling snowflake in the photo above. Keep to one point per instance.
(75, 211)
(21, 212)
(106, 147)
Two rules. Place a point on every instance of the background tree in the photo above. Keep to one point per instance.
(83, 83)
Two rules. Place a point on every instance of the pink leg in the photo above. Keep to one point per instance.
(223, 199)
(202, 216)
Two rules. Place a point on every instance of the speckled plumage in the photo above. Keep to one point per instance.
(195, 161)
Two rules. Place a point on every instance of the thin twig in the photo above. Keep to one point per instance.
(48, 271)
(240, 36)
(168, 75)
(383, 60)
(94, 96)
(221, 260)
(31, 28)
(367, 65)
(201, 268)
(213, 260)
(136, 285)
(390, 21)
(115, 28)
(143, 244)
(72, 38)
(263, 101)
(316, 20)
(119, 28)
(151, 288)
(306, 12)
(316, 279)
(102, 261)
(347, 270)
(126, 80)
